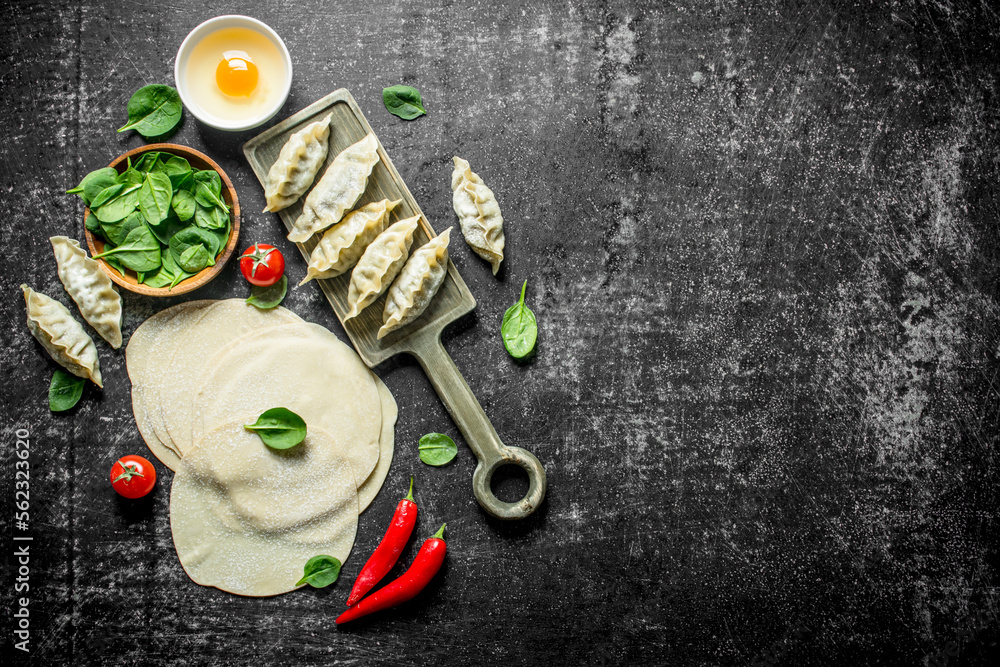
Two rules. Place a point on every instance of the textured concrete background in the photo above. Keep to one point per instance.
(761, 241)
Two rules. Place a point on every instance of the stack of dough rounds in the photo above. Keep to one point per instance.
(246, 518)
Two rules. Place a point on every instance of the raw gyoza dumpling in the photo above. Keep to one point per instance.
(417, 284)
(91, 289)
(62, 336)
(297, 164)
(478, 213)
(382, 260)
(343, 183)
(341, 247)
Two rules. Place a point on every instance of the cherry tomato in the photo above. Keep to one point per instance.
(262, 264)
(133, 476)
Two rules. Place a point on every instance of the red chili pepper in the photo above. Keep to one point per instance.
(425, 566)
(387, 552)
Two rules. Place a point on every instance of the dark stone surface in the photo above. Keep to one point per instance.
(761, 241)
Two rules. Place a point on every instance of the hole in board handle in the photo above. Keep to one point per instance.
(519, 509)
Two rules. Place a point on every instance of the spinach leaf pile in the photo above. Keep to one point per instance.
(160, 217)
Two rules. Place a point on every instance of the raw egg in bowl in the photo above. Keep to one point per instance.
(233, 72)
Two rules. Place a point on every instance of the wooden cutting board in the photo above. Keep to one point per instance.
(422, 337)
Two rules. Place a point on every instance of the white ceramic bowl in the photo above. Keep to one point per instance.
(195, 36)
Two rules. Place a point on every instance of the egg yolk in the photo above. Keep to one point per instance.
(236, 74)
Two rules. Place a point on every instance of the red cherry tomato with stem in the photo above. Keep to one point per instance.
(133, 476)
(262, 264)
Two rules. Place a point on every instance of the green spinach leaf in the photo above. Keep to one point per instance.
(130, 176)
(106, 194)
(153, 110)
(120, 206)
(211, 178)
(115, 232)
(436, 449)
(170, 264)
(186, 182)
(147, 162)
(93, 183)
(194, 259)
(65, 390)
(279, 428)
(403, 101)
(519, 329)
(206, 196)
(92, 224)
(175, 272)
(178, 169)
(140, 251)
(269, 297)
(116, 265)
(221, 236)
(211, 218)
(159, 278)
(192, 236)
(183, 204)
(181, 275)
(155, 196)
(320, 571)
(220, 216)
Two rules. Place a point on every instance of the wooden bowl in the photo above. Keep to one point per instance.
(130, 280)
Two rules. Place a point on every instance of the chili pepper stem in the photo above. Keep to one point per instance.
(409, 495)
(440, 534)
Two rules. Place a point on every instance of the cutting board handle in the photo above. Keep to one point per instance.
(479, 433)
